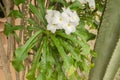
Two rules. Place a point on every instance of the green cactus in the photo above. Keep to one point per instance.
(107, 39)
(114, 64)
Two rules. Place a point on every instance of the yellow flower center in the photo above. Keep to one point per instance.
(69, 24)
(60, 19)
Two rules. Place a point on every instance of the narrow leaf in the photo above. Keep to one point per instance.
(16, 14)
(59, 47)
(32, 71)
(71, 38)
(17, 2)
(42, 7)
(22, 52)
(67, 60)
(37, 13)
(71, 49)
(9, 28)
(75, 5)
(83, 44)
(84, 34)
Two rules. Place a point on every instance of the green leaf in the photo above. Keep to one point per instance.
(59, 47)
(33, 25)
(17, 2)
(62, 2)
(84, 34)
(93, 53)
(85, 66)
(31, 28)
(31, 74)
(43, 62)
(71, 49)
(9, 28)
(33, 22)
(70, 71)
(55, 55)
(82, 43)
(40, 77)
(18, 39)
(61, 76)
(71, 38)
(76, 5)
(16, 14)
(67, 60)
(43, 65)
(59, 1)
(37, 13)
(42, 7)
(85, 48)
(22, 52)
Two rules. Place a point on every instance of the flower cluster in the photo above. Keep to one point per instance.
(90, 2)
(67, 20)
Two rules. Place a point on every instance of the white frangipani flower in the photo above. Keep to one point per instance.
(52, 27)
(91, 4)
(72, 20)
(58, 19)
(69, 28)
(71, 15)
(67, 20)
(50, 15)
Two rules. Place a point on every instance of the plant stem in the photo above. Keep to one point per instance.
(25, 10)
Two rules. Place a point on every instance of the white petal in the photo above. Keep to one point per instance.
(70, 1)
(59, 19)
(50, 15)
(69, 28)
(71, 15)
(83, 1)
(74, 17)
(52, 27)
(91, 4)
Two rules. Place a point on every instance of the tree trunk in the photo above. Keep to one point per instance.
(5, 62)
